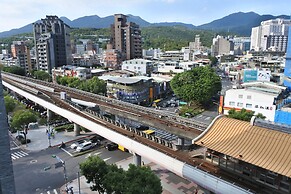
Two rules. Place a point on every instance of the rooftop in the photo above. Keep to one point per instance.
(266, 148)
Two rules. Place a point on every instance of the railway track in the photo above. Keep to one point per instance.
(166, 118)
(52, 91)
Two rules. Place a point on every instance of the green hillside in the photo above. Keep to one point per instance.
(163, 37)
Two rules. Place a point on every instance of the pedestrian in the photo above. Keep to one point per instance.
(46, 131)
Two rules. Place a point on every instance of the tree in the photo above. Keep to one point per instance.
(111, 179)
(21, 118)
(94, 169)
(9, 104)
(142, 180)
(42, 75)
(244, 114)
(15, 70)
(213, 60)
(114, 180)
(199, 85)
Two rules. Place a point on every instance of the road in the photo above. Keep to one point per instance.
(31, 176)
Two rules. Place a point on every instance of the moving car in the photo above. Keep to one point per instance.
(85, 146)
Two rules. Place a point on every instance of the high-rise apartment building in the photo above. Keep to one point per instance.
(126, 37)
(270, 35)
(21, 53)
(52, 42)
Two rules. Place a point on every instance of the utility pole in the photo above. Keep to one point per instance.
(65, 172)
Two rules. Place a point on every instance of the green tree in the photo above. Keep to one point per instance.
(142, 180)
(198, 85)
(42, 75)
(15, 70)
(111, 179)
(10, 104)
(213, 60)
(94, 169)
(21, 118)
(260, 115)
(243, 114)
(114, 180)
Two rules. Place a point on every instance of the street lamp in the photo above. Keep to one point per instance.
(65, 172)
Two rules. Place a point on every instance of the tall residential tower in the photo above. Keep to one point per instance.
(126, 37)
(52, 43)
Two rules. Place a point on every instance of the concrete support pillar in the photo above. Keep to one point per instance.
(77, 129)
(137, 159)
(49, 115)
(181, 141)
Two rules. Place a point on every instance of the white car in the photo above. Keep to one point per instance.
(77, 143)
(85, 146)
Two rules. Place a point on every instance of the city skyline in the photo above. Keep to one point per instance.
(19, 13)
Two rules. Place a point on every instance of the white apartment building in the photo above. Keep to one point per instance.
(139, 66)
(259, 97)
(271, 33)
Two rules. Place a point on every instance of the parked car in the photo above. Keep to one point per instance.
(85, 146)
(112, 146)
(77, 143)
(96, 138)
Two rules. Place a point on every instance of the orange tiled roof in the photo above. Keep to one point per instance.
(259, 146)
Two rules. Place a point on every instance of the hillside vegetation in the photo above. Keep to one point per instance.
(163, 37)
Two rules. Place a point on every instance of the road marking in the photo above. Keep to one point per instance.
(88, 155)
(48, 192)
(15, 156)
(207, 118)
(106, 159)
(66, 151)
(55, 191)
(26, 154)
(97, 153)
(18, 154)
(199, 116)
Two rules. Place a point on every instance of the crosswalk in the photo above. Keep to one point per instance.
(55, 191)
(18, 154)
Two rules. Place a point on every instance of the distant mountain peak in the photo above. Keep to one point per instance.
(239, 23)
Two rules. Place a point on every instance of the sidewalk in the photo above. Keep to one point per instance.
(171, 183)
(39, 138)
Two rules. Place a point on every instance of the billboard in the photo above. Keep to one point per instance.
(264, 76)
(250, 75)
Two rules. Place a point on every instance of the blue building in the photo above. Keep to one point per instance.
(287, 71)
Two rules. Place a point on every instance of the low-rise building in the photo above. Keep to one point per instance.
(260, 97)
(134, 90)
(139, 66)
(81, 73)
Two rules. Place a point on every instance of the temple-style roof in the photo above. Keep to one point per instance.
(266, 148)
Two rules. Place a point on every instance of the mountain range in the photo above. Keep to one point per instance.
(238, 23)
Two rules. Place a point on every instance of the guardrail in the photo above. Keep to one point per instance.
(162, 115)
(125, 127)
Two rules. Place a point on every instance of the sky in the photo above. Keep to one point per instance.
(18, 13)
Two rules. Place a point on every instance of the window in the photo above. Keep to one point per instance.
(239, 104)
(134, 67)
(138, 67)
(256, 106)
(249, 105)
(240, 96)
(249, 97)
(231, 103)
